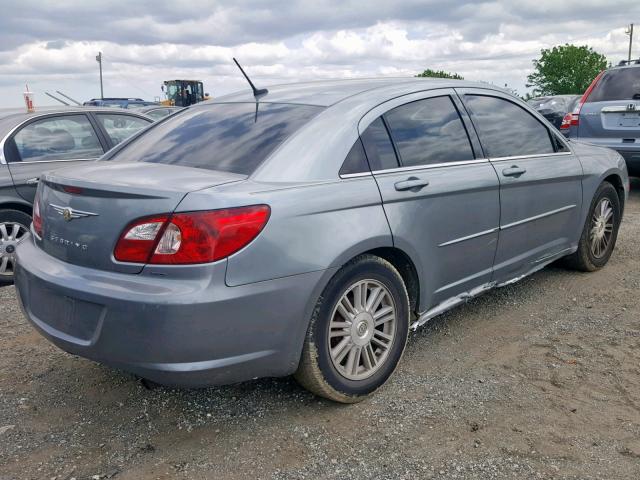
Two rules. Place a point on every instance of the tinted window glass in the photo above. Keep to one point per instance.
(58, 138)
(378, 146)
(121, 127)
(617, 84)
(356, 161)
(429, 131)
(228, 137)
(506, 129)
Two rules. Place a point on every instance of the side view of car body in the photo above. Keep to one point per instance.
(554, 108)
(308, 232)
(608, 113)
(32, 143)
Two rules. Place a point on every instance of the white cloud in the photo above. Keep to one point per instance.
(144, 44)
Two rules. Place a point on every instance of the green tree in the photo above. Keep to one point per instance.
(565, 69)
(439, 74)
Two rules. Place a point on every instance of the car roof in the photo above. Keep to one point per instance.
(325, 93)
(11, 117)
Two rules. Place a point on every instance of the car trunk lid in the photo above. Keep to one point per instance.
(85, 210)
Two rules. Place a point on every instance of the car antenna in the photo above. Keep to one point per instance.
(257, 92)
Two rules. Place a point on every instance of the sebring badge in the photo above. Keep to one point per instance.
(69, 213)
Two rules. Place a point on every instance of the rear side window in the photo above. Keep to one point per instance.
(429, 131)
(378, 146)
(356, 161)
(69, 137)
(120, 127)
(231, 137)
(505, 129)
(617, 84)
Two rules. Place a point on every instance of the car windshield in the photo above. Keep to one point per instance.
(230, 137)
(617, 84)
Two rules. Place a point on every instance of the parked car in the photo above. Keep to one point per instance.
(31, 143)
(118, 102)
(307, 233)
(608, 114)
(158, 112)
(555, 107)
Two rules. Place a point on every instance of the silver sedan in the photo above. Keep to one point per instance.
(307, 231)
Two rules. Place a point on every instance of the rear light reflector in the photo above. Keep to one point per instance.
(37, 217)
(192, 237)
(572, 119)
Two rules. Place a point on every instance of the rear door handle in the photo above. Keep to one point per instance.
(411, 183)
(513, 171)
(33, 182)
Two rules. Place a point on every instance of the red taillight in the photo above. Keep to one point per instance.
(193, 237)
(37, 217)
(572, 119)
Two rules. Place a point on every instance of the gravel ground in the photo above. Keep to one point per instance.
(536, 380)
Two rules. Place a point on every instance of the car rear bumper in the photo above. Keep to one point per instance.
(188, 332)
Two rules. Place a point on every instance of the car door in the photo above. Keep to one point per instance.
(540, 182)
(440, 196)
(46, 143)
(118, 127)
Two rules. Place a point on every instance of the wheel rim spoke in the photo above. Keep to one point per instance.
(362, 329)
(10, 235)
(602, 227)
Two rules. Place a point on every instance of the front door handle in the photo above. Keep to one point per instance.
(513, 171)
(411, 183)
(32, 182)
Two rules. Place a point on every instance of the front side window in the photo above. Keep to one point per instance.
(429, 131)
(228, 137)
(120, 127)
(505, 129)
(68, 137)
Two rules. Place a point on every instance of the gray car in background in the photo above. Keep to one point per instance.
(307, 233)
(608, 114)
(32, 143)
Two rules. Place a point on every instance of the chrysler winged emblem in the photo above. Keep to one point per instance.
(69, 213)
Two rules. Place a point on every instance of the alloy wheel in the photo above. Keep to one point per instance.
(601, 231)
(10, 235)
(362, 329)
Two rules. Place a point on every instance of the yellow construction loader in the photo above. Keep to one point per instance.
(182, 93)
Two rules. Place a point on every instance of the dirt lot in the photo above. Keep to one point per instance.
(536, 380)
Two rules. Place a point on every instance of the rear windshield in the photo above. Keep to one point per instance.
(617, 84)
(229, 137)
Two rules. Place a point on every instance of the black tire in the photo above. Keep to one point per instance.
(12, 217)
(317, 371)
(584, 259)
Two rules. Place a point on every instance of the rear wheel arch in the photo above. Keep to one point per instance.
(21, 207)
(616, 181)
(407, 269)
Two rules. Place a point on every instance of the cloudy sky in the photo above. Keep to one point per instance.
(51, 45)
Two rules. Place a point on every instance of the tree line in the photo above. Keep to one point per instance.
(564, 69)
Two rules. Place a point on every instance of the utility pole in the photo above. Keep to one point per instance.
(629, 31)
(99, 60)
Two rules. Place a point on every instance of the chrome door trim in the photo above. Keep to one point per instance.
(356, 175)
(526, 157)
(433, 165)
(537, 217)
(469, 237)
